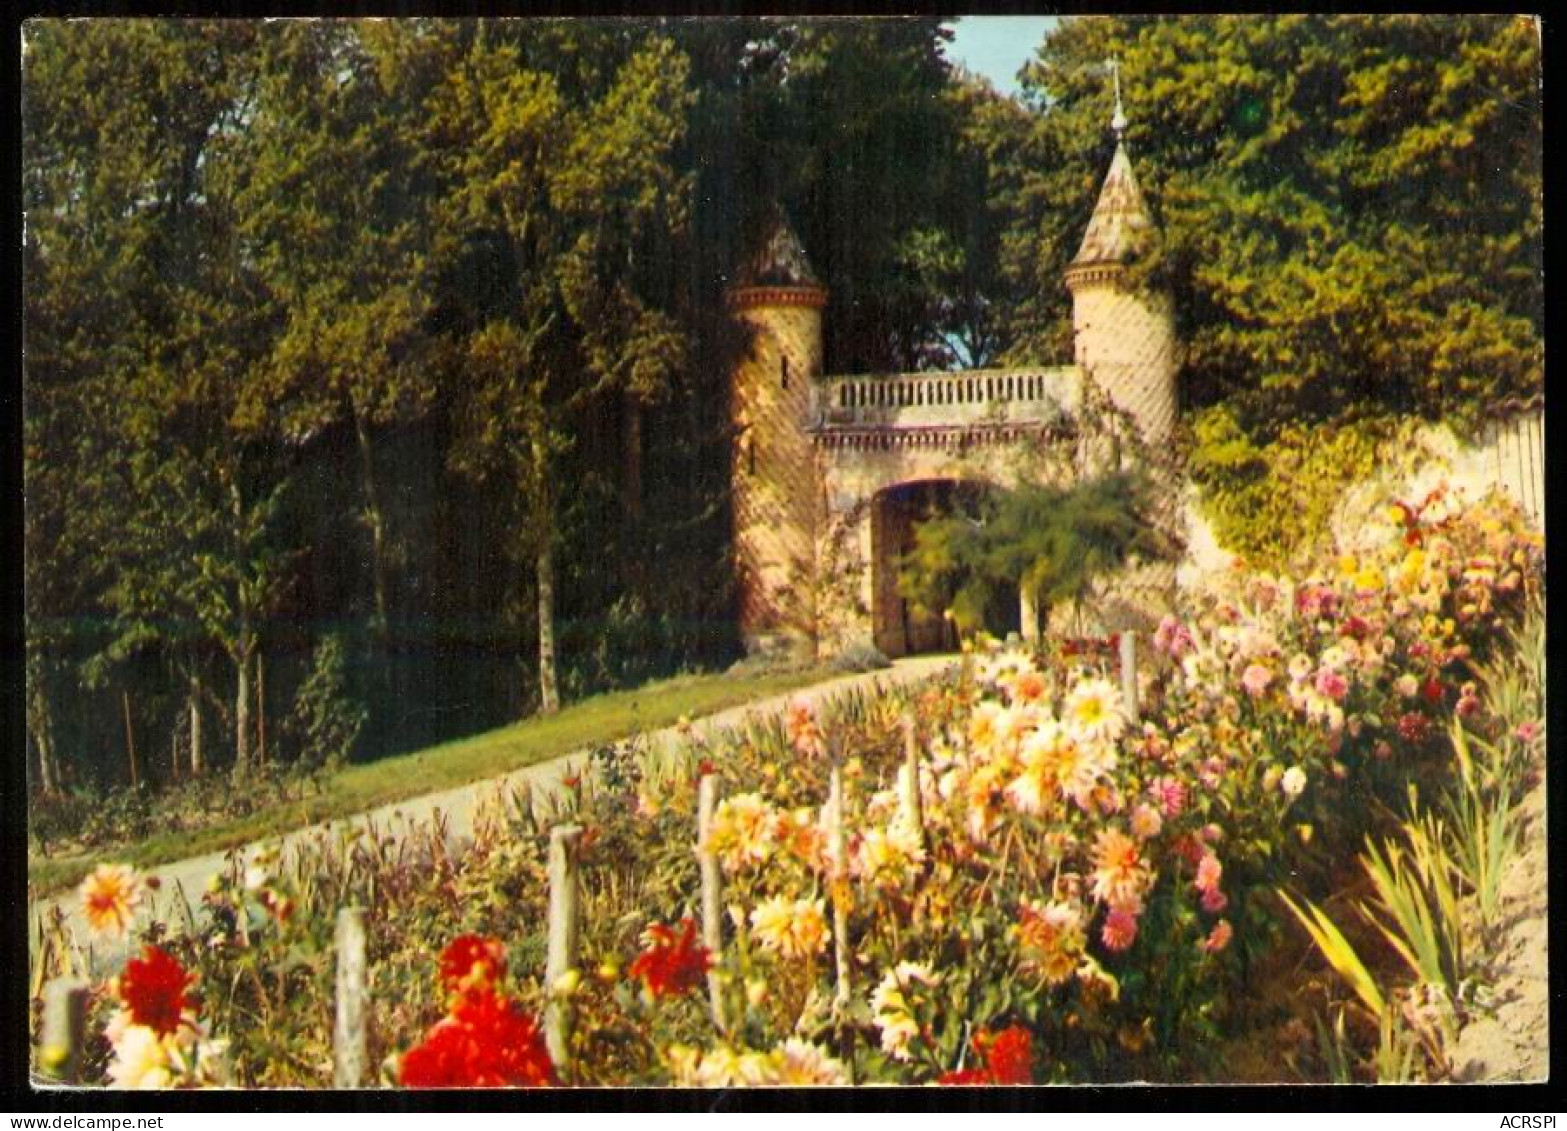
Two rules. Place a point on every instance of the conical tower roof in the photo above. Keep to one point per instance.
(1120, 227)
(780, 259)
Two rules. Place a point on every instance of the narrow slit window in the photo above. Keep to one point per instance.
(785, 368)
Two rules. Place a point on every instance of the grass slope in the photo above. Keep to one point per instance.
(357, 788)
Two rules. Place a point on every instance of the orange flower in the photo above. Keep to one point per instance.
(110, 897)
(1219, 937)
(1027, 687)
(804, 733)
(1119, 872)
(1052, 939)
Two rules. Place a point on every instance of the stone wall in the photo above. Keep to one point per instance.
(1508, 455)
(856, 469)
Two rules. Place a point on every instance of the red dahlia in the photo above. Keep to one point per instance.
(1008, 1056)
(965, 1076)
(472, 962)
(1413, 727)
(486, 1042)
(672, 964)
(153, 989)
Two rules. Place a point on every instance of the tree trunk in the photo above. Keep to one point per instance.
(632, 565)
(198, 754)
(375, 519)
(549, 692)
(261, 707)
(242, 709)
(130, 740)
(631, 456)
(544, 562)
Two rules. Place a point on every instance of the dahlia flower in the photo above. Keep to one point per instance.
(671, 964)
(110, 896)
(1093, 711)
(472, 962)
(1119, 874)
(791, 928)
(892, 1013)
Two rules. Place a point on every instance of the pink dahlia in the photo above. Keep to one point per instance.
(1119, 930)
(1256, 679)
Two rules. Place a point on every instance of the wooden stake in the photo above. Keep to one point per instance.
(64, 1028)
(350, 1053)
(840, 888)
(712, 894)
(913, 803)
(1129, 675)
(562, 956)
(130, 739)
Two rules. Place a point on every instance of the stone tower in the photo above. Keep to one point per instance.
(1124, 340)
(780, 301)
(1124, 336)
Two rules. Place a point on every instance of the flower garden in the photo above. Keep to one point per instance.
(1291, 839)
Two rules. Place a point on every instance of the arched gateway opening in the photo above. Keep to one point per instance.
(900, 629)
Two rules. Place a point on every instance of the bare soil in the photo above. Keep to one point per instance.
(1512, 1043)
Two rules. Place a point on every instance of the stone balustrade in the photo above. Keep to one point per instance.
(962, 398)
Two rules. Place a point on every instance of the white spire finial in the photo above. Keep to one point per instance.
(1117, 123)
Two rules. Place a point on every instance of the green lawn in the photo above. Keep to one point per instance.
(354, 789)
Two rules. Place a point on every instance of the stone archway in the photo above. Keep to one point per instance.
(897, 627)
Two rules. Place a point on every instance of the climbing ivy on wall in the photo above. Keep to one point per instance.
(1270, 500)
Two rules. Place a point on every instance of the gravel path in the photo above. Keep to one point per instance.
(458, 805)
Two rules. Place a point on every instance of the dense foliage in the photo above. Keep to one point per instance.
(1350, 206)
(1350, 210)
(1271, 503)
(411, 332)
(1052, 543)
(1027, 886)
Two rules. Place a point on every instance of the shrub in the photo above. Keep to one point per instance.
(860, 657)
(326, 721)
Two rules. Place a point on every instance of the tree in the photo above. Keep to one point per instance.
(1350, 205)
(178, 518)
(558, 187)
(1051, 542)
(335, 213)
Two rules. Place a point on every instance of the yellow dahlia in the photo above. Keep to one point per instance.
(1052, 939)
(110, 897)
(742, 832)
(791, 928)
(802, 1064)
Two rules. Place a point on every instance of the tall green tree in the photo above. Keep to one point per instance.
(558, 189)
(1350, 205)
(139, 149)
(335, 212)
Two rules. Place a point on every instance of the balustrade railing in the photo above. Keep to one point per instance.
(974, 396)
